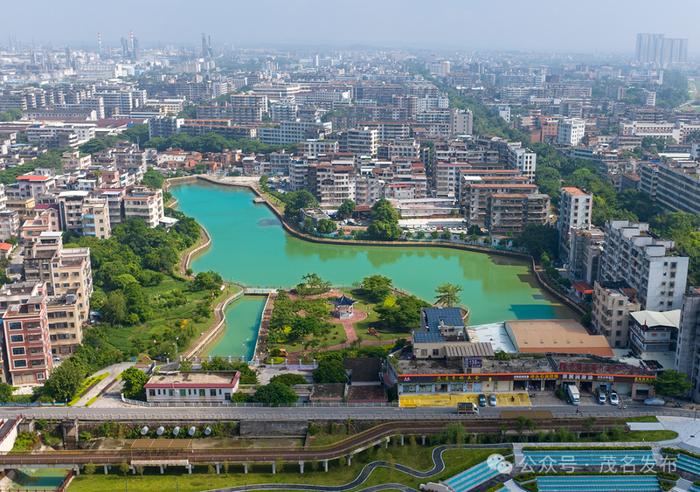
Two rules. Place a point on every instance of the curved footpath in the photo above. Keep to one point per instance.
(252, 186)
(362, 477)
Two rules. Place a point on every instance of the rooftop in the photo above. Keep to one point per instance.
(652, 319)
(434, 317)
(564, 336)
(193, 380)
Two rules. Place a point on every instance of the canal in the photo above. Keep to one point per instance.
(249, 246)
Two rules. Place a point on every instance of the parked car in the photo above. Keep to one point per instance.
(655, 402)
(493, 401)
(614, 399)
(482, 400)
(602, 398)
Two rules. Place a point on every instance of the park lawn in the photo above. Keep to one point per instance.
(372, 320)
(335, 336)
(142, 334)
(650, 435)
(417, 457)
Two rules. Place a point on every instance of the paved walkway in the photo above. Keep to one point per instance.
(114, 371)
(349, 325)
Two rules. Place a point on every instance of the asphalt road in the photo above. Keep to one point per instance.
(313, 413)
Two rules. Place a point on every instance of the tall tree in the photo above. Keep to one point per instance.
(447, 294)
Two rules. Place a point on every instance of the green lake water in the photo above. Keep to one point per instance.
(242, 322)
(249, 246)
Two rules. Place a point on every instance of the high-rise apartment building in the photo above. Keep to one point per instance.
(571, 131)
(610, 311)
(575, 211)
(688, 345)
(631, 255)
(658, 50)
(25, 326)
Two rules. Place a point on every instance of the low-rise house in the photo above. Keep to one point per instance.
(196, 387)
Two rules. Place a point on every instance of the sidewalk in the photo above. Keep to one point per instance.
(114, 371)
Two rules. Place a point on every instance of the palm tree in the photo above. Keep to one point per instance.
(447, 294)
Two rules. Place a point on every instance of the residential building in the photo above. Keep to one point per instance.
(70, 206)
(571, 131)
(9, 224)
(314, 147)
(660, 51)
(146, 204)
(524, 160)
(247, 108)
(654, 331)
(26, 332)
(95, 218)
(164, 126)
(67, 273)
(675, 186)
(688, 346)
(585, 250)
(332, 183)
(575, 212)
(631, 255)
(511, 213)
(195, 387)
(612, 304)
(362, 141)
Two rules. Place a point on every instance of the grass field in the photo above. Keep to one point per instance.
(168, 317)
(414, 456)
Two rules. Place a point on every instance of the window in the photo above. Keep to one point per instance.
(16, 338)
(183, 392)
(20, 363)
(151, 392)
(18, 351)
(202, 392)
(212, 392)
(15, 325)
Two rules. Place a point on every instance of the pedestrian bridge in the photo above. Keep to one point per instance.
(258, 291)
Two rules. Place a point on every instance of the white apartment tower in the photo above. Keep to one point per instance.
(631, 255)
(571, 131)
(575, 209)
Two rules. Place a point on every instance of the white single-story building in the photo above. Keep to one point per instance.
(192, 387)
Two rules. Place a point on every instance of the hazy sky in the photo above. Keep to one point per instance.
(541, 25)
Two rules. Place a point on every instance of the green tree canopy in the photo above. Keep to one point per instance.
(447, 294)
(384, 222)
(326, 226)
(208, 280)
(330, 370)
(275, 394)
(376, 287)
(64, 380)
(153, 179)
(289, 378)
(134, 380)
(5, 392)
(672, 383)
(402, 313)
(345, 210)
(537, 240)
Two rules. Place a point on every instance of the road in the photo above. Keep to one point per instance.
(114, 372)
(312, 413)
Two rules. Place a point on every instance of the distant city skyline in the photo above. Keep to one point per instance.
(595, 26)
